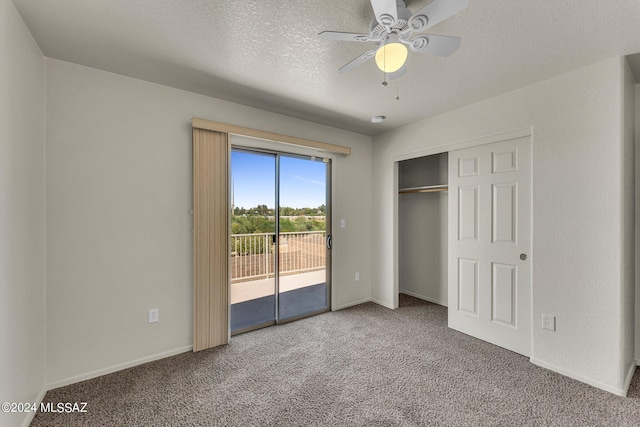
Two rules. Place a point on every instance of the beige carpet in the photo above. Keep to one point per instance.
(363, 366)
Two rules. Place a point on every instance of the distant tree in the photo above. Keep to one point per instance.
(287, 211)
(262, 210)
(286, 225)
(260, 219)
(300, 224)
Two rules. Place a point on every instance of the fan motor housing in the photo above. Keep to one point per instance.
(377, 30)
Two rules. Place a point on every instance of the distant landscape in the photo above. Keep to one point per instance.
(261, 219)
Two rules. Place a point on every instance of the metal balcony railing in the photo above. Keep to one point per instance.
(252, 255)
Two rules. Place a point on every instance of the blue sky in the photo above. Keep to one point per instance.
(302, 182)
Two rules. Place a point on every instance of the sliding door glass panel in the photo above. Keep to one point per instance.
(302, 249)
(253, 232)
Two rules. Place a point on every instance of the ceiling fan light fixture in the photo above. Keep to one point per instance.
(391, 56)
(393, 29)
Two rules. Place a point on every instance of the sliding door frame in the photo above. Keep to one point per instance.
(328, 236)
(277, 155)
(269, 153)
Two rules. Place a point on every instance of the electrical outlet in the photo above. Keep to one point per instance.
(357, 276)
(153, 315)
(343, 223)
(549, 322)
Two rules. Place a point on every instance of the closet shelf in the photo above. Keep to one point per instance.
(424, 189)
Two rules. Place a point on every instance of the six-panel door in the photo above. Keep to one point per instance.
(489, 230)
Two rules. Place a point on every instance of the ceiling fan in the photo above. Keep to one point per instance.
(392, 29)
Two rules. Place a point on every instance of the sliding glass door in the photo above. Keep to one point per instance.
(302, 259)
(253, 228)
(280, 238)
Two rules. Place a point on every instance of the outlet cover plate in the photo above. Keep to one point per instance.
(548, 322)
(153, 315)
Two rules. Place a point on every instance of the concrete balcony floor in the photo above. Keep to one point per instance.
(253, 289)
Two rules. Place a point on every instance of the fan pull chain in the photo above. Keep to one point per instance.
(397, 91)
(384, 65)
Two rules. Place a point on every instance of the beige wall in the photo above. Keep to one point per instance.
(637, 181)
(118, 218)
(628, 223)
(22, 215)
(576, 121)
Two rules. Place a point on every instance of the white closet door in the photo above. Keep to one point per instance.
(490, 243)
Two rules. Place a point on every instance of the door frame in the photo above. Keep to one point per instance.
(445, 148)
(247, 145)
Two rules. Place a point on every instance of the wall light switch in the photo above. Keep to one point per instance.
(357, 276)
(153, 315)
(549, 322)
(343, 223)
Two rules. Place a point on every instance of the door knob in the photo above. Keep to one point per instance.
(523, 256)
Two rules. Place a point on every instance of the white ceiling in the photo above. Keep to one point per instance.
(266, 53)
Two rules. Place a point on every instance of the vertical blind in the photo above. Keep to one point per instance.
(210, 238)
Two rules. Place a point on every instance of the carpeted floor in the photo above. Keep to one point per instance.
(362, 366)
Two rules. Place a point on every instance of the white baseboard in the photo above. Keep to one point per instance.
(579, 377)
(350, 304)
(384, 304)
(118, 367)
(31, 415)
(425, 298)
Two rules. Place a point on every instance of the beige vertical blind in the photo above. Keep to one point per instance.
(210, 238)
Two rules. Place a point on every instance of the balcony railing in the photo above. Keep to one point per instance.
(252, 255)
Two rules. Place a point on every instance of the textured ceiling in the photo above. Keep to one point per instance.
(266, 53)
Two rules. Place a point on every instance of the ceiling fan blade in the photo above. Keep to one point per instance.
(386, 11)
(435, 45)
(358, 61)
(347, 37)
(398, 74)
(435, 12)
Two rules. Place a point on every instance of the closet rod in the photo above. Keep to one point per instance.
(426, 189)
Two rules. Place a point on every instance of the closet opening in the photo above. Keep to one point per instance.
(422, 227)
